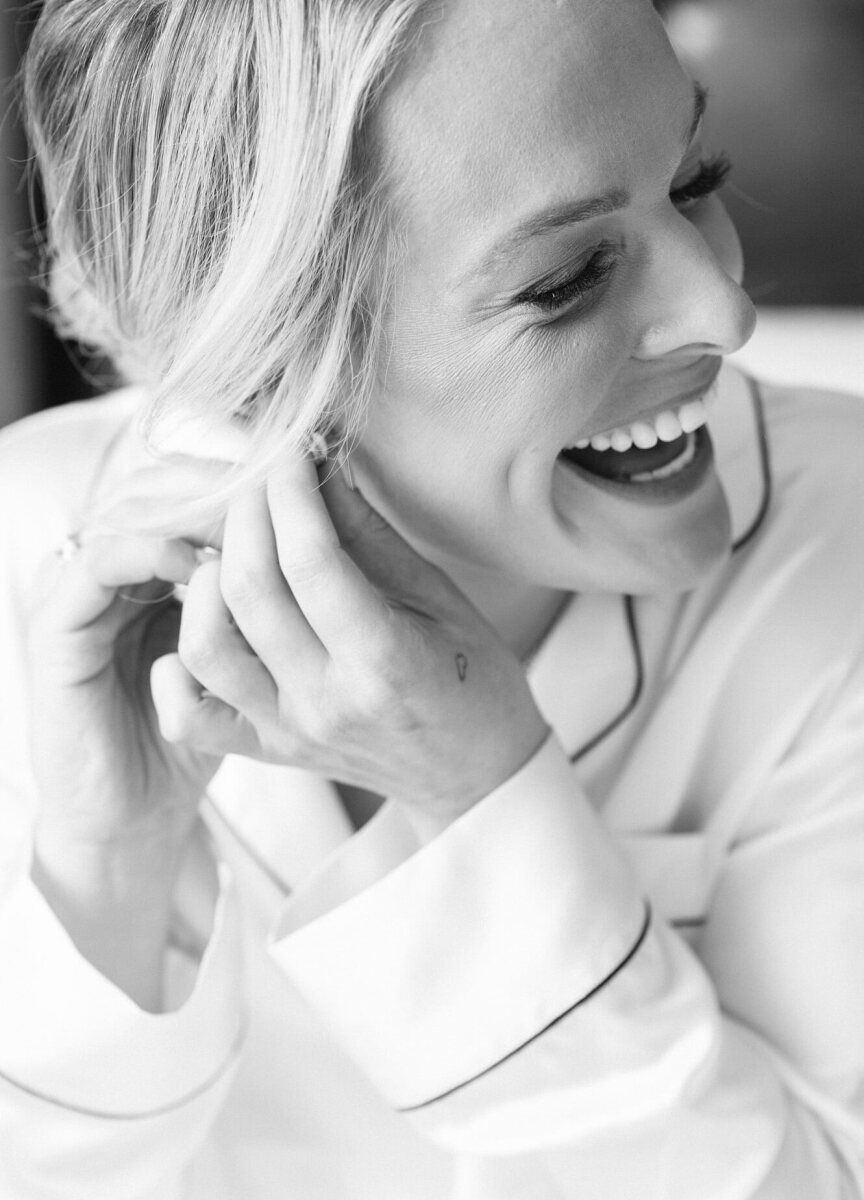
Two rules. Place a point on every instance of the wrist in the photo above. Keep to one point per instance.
(114, 902)
(498, 764)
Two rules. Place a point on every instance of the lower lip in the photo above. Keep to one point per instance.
(658, 491)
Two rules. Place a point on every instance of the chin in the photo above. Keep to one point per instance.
(688, 550)
(656, 550)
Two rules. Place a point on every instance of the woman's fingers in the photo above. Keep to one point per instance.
(117, 561)
(81, 589)
(216, 653)
(300, 573)
(383, 555)
(191, 716)
(257, 594)
(84, 606)
(346, 610)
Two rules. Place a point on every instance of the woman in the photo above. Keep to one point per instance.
(606, 667)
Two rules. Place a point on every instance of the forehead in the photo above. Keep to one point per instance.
(505, 104)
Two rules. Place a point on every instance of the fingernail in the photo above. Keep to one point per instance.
(205, 554)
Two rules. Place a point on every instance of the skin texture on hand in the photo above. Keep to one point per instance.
(117, 803)
(318, 638)
(322, 640)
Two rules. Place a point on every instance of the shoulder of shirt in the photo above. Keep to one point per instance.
(62, 439)
(804, 404)
(808, 556)
(46, 433)
(816, 446)
(48, 462)
(809, 419)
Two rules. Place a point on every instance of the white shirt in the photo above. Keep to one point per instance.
(633, 972)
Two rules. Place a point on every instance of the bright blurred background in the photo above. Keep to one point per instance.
(786, 81)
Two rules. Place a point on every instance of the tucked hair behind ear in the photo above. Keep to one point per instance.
(213, 225)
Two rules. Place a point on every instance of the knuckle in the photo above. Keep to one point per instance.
(174, 559)
(176, 724)
(306, 567)
(291, 740)
(244, 583)
(347, 712)
(376, 696)
(196, 650)
(296, 751)
(324, 725)
(321, 727)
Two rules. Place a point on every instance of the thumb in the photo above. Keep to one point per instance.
(191, 716)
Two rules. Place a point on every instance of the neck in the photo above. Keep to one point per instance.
(521, 613)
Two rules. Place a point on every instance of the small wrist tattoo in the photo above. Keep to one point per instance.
(462, 667)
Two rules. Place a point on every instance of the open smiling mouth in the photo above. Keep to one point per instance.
(653, 450)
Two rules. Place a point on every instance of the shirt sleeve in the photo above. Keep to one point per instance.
(509, 989)
(97, 1097)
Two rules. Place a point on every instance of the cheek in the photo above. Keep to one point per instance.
(469, 416)
(440, 438)
(442, 393)
(496, 391)
(442, 484)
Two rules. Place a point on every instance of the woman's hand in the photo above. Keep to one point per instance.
(324, 641)
(117, 802)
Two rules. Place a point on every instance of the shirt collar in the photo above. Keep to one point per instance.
(587, 675)
(586, 678)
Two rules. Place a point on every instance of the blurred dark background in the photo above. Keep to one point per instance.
(786, 79)
(786, 84)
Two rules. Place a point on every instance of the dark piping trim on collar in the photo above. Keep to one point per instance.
(764, 463)
(632, 626)
(632, 629)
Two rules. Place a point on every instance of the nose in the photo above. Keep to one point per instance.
(694, 302)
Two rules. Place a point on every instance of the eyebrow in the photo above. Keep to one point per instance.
(574, 212)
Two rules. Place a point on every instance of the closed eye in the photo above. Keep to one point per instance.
(710, 176)
(579, 286)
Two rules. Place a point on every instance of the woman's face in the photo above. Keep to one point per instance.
(561, 280)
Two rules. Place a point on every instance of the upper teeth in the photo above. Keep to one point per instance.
(665, 426)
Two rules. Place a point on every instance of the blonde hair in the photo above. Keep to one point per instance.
(214, 222)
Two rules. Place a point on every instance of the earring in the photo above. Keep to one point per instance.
(318, 447)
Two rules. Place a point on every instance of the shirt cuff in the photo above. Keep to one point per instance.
(71, 1037)
(473, 945)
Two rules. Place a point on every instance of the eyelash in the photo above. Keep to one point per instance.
(709, 178)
